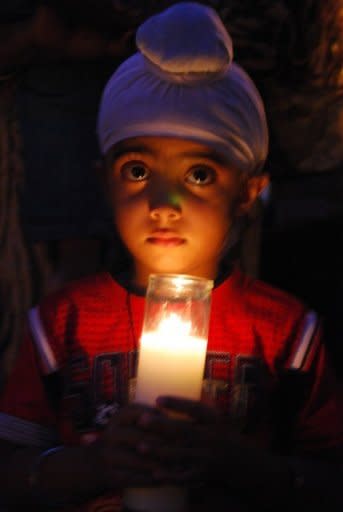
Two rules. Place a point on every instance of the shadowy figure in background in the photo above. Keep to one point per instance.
(54, 59)
(18, 272)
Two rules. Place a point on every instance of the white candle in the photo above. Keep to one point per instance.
(171, 362)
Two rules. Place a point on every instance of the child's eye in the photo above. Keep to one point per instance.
(134, 171)
(200, 175)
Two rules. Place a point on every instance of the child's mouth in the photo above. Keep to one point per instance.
(166, 241)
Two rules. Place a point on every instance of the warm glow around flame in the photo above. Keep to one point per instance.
(171, 361)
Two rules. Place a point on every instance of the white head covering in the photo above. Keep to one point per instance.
(182, 83)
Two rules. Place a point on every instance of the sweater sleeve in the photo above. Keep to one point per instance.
(311, 395)
(26, 415)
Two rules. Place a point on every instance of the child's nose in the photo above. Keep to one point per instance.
(165, 213)
(165, 203)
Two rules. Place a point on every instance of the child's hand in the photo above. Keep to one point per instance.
(194, 445)
(180, 442)
(116, 454)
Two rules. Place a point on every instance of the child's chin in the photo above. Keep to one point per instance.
(172, 269)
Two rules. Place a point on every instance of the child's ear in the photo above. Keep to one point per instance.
(251, 190)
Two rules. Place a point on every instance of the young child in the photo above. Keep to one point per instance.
(184, 136)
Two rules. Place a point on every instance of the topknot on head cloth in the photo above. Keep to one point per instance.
(188, 38)
(182, 83)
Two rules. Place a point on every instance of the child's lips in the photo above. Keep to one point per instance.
(165, 239)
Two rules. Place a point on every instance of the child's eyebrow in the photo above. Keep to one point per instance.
(123, 150)
(206, 155)
(143, 149)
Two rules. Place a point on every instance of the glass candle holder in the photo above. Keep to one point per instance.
(171, 362)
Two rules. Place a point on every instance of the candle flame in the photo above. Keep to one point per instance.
(173, 324)
(173, 335)
(171, 361)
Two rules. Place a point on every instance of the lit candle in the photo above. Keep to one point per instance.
(171, 362)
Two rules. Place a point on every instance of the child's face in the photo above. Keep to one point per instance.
(174, 202)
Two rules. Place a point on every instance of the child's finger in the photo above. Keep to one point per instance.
(167, 427)
(130, 460)
(131, 414)
(173, 452)
(194, 409)
(191, 475)
(125, 477)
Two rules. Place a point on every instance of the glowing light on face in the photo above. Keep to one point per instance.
(175, 199)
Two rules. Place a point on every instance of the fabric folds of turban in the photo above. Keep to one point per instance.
(182, 83)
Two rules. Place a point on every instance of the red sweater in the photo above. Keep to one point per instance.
(265, 367)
